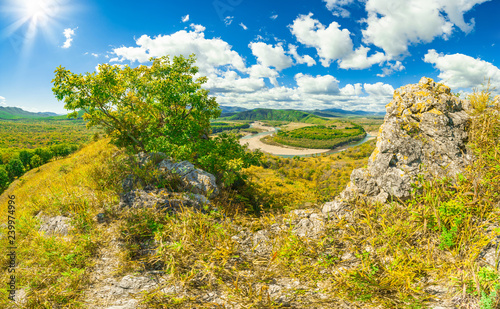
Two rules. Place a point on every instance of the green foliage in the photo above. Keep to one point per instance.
(321, 137)
(14, 168)
(277, 115)
(36, 161)
(224, 126)
(157, 108)
(143, 106)
(25, 157)
(4, 179)
(36, 133)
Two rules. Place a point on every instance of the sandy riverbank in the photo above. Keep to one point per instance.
(255, 143)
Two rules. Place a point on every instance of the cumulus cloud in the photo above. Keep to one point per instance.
(359, 59)
(321, 84)
(197, 28)
(185, 18)
(352, 90)
(379, 89)
(270, 56)
(350, 97)
(243, 26)
(273, 17)
(230, 81)
(2, 101)
(259, 70)
(330, 42)
(211, 53)
(292, 50)
(462, 71)
(390, 68)
(336, 6)
(68, 34)
(394, 24)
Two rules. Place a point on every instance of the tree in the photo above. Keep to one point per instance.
(36, 161)
(4, 179)
(15, 168)
(143, 106)
(25, 157)
(160, 108)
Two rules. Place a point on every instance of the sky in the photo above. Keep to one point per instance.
(296, 54)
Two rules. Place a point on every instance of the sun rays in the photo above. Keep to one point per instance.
(31, 18)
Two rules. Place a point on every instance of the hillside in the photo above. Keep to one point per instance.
(19, 113)
(276, 115)
(100, 229)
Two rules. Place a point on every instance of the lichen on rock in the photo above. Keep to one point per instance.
(424, 132)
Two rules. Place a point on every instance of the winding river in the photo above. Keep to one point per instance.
(254, 142)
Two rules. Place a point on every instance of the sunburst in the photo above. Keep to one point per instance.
(31, 17)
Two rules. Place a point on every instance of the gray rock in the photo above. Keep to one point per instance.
(424, 132)
(262, 243)
(161, 199)
(58, 225)
(336, 208)
(200, 182)
(310, 227)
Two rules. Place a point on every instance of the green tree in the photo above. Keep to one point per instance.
(142, 106)
(4, 179)
(45, 154)
(25, 157)
(14, 168)
(36, 161)
(160, 108)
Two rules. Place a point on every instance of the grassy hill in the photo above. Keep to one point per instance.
(276, 115)
(19, 113)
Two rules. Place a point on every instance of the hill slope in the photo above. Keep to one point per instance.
(275, 114)
(19, 113)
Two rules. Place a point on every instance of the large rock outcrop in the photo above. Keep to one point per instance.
(424, 132)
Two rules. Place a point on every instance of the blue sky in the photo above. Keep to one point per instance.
(348, 54)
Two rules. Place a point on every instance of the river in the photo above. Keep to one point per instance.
(254, 142)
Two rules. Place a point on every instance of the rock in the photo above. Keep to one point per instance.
(336, 208)
(161, 199)
(200, 182)
(424, 132)
(261, 242)
(309, 227)
(51, 226)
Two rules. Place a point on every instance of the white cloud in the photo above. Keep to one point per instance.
(331, 42)
(243, 26)
(270, 56)
(359, 59)
(379, 89)
(259, 70)
(352, 90)
(321, 84)
(230, 81)
(95, 55)
(210, 53)
(394, 24)
(391, 67)
(197, 28)
(292, 50)
(185, 18)
(68, 34)
(2, 101)
(336, 7)
(273, 17)
(462, 71)
(228, 20)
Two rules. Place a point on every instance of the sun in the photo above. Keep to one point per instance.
(31, 18)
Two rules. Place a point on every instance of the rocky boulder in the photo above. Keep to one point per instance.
(424, 132)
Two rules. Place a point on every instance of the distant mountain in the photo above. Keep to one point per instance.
(232, 109)
(337, 112)
(276, 114)
(19, 113)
